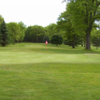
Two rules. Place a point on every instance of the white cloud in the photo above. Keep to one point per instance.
(32, 12)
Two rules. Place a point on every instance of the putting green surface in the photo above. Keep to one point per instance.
(41, 53)
(25, 57)
(45, 72)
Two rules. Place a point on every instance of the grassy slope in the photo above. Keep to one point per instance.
(33, 72)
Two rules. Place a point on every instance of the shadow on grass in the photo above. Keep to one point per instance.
(52, 65)
(42, 48)
(51, 50)
(65, 51)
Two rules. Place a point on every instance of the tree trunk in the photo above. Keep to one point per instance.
(3, 45)
(73, 45)
(13, 43)
(56, 44)
(88, 32)
(96, 47)
(37, 39)
(81, 44)
(84, 43)
(88, 41)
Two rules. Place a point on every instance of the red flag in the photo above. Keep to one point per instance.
(46, 42)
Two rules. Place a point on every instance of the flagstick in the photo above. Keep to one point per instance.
(46, 42)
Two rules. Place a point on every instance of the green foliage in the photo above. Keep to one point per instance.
(4, 37)
(22, 30)
(1, 19)
(96, 41)
(46, 38)
(82, 15)
(34, 34)
(50, 30)
(78, 41)
(96, 38)
(14, 31)
(29, 35)
(70, 36)
(56, 39)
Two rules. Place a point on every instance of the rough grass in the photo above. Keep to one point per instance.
(46, 72)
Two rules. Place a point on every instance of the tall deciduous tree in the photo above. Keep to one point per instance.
(14, 31)
(83, 14)
(50, 30)
(64, 24)
(4, 37)
(22, 31)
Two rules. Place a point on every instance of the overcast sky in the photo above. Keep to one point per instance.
(31, 12)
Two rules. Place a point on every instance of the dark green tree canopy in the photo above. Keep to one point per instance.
(34, 34)
(4, 37)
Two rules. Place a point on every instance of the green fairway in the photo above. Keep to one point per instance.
(35, 71)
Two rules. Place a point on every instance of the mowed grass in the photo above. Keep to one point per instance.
(45, 72)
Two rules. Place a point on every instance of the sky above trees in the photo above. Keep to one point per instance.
(32, 12)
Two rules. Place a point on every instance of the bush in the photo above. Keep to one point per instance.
(56, 39)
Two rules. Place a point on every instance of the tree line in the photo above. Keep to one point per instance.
(18, 32)
(75, 26)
